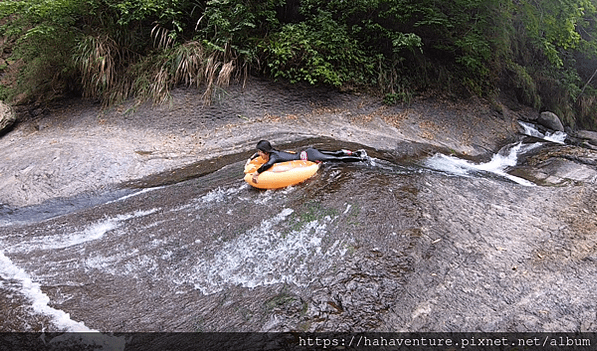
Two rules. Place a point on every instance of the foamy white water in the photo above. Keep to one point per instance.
(94, 232)
(28, 287)
(146, 190)
(555, 137)
(214, 196)
(39, 300)
(219, 194)
(264, 256)
(507, 157)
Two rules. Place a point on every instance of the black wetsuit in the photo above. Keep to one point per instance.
(309, 154)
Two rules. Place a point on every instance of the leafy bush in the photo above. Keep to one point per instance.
(318, 50)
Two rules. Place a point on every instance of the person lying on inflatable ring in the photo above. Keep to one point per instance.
(271, 155)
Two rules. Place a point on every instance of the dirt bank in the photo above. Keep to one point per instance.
(76, 147)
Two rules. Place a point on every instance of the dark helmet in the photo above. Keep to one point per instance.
(264, 146)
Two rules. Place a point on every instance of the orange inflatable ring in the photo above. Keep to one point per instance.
(281, 174)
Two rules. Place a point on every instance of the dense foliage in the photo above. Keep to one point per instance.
(544, 52)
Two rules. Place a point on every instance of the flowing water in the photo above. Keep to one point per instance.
(555, 137)
(376, 245)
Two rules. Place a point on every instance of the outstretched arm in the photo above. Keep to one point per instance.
(264, 167)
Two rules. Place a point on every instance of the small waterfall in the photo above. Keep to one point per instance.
(499, 163)
(555, 137)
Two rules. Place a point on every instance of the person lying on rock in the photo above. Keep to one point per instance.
(271, 156)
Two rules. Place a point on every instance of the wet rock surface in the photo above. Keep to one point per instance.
(76, 147)
(561, 165)
(588, 138)
(141, 222)
(359, 247)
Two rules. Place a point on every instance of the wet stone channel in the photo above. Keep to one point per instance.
(391, 244)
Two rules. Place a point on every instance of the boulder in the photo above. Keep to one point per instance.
(7, 117)
(587, 135)
(560, 165)
(550, 120)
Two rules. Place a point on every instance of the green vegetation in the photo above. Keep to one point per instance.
(544, 52)
(309, 212)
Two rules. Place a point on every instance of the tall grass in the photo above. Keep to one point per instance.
(110, 73)
(97, 58)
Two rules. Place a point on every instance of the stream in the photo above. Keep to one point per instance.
(426, 242)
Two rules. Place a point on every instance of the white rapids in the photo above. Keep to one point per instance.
(555, 137)
(507, 157)
(500, 162)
